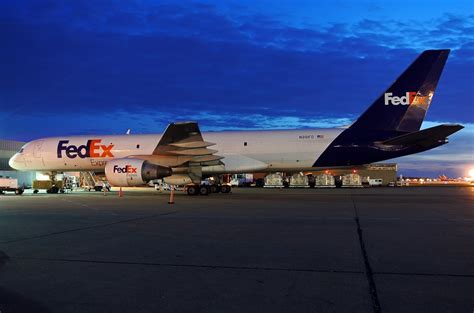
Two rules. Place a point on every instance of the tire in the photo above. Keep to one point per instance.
(54, 189)
(225, 188)
(19, 192)
(192, 190)
(215, 189)
(35, 191)
(204, 190)
(286, 184)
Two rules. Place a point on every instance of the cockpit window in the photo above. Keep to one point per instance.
(21, 150)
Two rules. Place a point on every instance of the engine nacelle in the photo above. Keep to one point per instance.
(133, 172)
(178, 180)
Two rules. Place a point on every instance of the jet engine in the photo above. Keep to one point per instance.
(133, 172)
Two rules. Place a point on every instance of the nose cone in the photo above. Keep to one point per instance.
(14, 162)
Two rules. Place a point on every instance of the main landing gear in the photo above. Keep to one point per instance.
(197, 190)
(205, 190)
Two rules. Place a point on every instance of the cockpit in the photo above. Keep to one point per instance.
(18, 160)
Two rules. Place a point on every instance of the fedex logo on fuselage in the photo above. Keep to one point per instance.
(92, 149)
(407, 99)
(126, 169)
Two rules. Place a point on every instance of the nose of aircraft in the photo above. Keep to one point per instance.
(14, 161)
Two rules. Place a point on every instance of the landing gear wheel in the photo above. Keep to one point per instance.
(204, 190)
(215, 188)
(225, 188)
(192, 190)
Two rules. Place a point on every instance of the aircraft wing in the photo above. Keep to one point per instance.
(425, 137)
(183, 143)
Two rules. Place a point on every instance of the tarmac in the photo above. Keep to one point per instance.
(254, 250)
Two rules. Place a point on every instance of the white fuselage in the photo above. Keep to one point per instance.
(243, 151)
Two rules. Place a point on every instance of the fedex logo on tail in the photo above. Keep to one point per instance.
(92, 149)
(126, 169)
(410, 97)
(407, 99)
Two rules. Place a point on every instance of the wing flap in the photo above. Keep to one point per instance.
(183, 142)
(197, 151)
(192, 144)
(206, 158)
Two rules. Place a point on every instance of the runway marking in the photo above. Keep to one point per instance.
(79, 203)
(368, 269)
(89, 227)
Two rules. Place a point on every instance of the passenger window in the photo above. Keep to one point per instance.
(245, 144)
(138, 146)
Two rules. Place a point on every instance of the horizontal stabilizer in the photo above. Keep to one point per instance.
(425, 136)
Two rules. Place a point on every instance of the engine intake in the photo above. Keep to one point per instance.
(133, 172)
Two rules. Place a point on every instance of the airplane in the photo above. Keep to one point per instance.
(182, 156)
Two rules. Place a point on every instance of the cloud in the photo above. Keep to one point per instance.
(59, 57)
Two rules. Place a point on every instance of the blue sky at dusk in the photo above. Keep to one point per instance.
(77, 67)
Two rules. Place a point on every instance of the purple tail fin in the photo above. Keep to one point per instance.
(403, 106)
